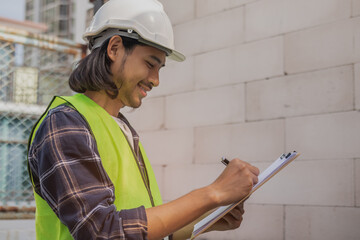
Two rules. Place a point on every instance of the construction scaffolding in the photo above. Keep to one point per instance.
(33, 68)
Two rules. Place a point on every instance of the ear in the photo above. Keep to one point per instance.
(115, 47)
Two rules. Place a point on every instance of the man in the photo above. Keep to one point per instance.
(91, 176)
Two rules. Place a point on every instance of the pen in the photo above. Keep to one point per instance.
(224, 161)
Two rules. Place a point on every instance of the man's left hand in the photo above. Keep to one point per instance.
(231, 220)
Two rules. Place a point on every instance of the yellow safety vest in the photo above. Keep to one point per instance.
(118, 159)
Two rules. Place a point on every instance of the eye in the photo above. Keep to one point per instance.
(149, 64)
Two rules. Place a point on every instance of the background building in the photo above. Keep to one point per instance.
(64, 18)
(58, 15)
(34, 65)
(18, 87)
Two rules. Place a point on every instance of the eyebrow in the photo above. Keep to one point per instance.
(158, 60)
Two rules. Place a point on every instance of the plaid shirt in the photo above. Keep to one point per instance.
(67, 173)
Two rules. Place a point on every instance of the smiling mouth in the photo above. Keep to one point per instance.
(144, 88)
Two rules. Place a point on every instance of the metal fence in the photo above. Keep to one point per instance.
(33, 68)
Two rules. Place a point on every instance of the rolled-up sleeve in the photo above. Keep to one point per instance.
(67, 173)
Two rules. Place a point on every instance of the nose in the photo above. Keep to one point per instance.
(154, 78)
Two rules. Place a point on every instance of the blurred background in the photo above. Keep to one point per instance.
(262, 77)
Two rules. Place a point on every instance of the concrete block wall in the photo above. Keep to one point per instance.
(17, 230)
(263, 77)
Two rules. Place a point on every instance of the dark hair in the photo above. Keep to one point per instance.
(93, 73)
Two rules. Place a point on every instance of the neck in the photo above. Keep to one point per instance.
(112, 106)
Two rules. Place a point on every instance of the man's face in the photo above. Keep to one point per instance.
(136, 73)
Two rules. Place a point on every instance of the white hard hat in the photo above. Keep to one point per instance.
(144, 20)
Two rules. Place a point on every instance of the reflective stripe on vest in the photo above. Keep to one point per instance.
(118, 160)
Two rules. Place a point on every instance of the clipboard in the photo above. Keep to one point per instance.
(263, 177)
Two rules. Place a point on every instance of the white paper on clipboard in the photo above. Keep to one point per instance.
(264, 176)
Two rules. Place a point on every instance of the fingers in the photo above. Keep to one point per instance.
(234, 217)
(235, 182)
(240, 207)
(254, 171)
(232, 222)
(235, 213)
(238, 211)
(255, 179)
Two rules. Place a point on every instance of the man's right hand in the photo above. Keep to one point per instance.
(235, 182)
